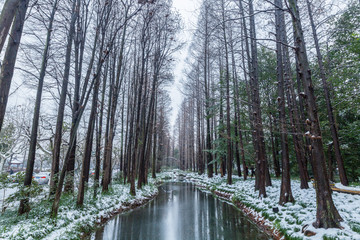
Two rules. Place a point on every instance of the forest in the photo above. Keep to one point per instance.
(270, 105)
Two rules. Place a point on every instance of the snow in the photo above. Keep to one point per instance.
(292, 216)
(71, 221)
(339, 185)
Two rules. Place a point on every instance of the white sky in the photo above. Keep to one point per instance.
(189, 13)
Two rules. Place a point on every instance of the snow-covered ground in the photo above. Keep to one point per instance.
(5, 193)
(71, 221)
(292, 217)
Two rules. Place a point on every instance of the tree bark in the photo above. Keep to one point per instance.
(261, 154)
(6, 19)
(24, 203)
(285, 189)
(327, 215)
(333, 128)
(7, 68)
(60, 116)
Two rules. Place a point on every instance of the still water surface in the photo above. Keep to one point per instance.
(181, 212)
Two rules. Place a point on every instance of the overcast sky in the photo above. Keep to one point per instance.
(189, 12)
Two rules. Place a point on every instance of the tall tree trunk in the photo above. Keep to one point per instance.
(333, 128)
(291, 99)
(88, 144)
(6, 19)
(207, 99)
(7, 68)
(327, 215)
(99, 133)
(261, 154)
(24, 206)
(60, 116)
(115, 95)
(285, 190)
(228, 115)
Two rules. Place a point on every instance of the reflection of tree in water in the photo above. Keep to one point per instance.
(181, 211)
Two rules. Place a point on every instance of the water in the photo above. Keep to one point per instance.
(181, 212)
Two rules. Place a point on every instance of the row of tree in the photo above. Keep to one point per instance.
(249, 97)
(100, 74)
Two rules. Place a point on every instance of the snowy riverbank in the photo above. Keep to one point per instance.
(71, 221)
(291, 218)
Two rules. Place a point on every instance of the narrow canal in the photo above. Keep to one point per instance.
(181, 212)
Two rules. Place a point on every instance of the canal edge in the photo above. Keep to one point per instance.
(253, 215)
(125, 207)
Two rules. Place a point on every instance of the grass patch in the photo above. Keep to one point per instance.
(355, 227)
(329, 238)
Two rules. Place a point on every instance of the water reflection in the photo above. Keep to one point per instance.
(181, 212)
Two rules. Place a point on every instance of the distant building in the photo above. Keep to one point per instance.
(16, 163)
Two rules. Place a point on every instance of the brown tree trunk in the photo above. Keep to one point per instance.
(88, 144)
(327, 215)
(8, 64)
(24, 207)
(115, 95)
(285, 190)
(6, 19)
(207, 101)
(60, 116)
(261, 154)
(333, 128)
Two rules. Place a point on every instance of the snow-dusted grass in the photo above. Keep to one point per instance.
(71, 221)
(291, 217)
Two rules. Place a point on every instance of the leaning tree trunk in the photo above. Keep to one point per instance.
(334, 133)
(327, 215)
(6, 19)
(24, 207)
(7, 68)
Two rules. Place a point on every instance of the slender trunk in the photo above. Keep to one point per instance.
(285, 190)
(99, 134)
(88, 145)
(261, 154)
(115, 95)
(207, 101)
(153, 165)
(24, 207)
(60, 116)
(250, 93)
(228, 117)
(333, 128)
